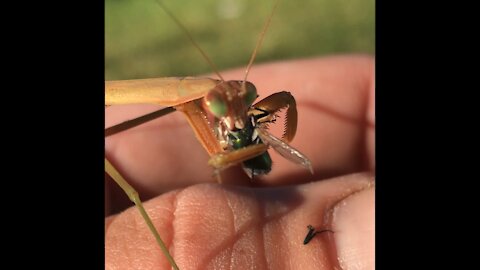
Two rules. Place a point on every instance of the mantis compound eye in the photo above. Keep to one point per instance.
(251, 94)
(216, 104)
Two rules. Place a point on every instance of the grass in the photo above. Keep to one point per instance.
(141, 41)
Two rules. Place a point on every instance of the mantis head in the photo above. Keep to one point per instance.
(229, 101)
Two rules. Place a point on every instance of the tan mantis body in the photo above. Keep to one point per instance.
(162, 91)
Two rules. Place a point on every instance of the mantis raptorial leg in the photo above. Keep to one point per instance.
(230, 138)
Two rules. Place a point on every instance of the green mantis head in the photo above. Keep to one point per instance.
(229, 102)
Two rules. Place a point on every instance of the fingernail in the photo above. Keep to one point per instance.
(354, 226)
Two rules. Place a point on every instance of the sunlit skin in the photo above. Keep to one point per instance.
(226, 225)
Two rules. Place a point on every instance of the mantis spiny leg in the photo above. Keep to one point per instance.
(224, 160)
(276, 102)
(133, 196)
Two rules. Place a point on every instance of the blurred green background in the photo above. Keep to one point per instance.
(141, 41)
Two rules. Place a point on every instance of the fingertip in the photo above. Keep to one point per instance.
(354, 225)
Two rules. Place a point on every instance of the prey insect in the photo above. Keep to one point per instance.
(311, 234)
(226, 121)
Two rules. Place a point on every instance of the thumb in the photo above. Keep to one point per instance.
(354, 226)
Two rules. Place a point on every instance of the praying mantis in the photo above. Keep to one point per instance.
(227, 122)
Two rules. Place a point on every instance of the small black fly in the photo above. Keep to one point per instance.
(311, 233)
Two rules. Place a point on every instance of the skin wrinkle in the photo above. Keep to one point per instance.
(154, 213)
(172, 247)
(234, 229)
(330, 243)
(249, 232)
(287, 245)
(214, 251)
(274, 228)
(332, 255)
(262, 239)
(276, 217)
(241, 230)
(172, 203)
(213, 254)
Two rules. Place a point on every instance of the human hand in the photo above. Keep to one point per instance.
(210, 225)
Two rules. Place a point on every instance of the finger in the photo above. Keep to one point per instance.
(214, 226)
(332, 96)
(355, 225)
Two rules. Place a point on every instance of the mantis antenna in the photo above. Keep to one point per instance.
(184, 29)
(259, 43)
